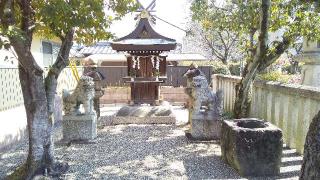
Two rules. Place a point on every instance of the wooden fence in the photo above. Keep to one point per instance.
(114, 95)
(113, 75)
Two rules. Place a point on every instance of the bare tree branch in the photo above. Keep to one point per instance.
(214, 50)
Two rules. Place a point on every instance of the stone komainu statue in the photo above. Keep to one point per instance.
(97, 78)
(203, 100)
(84, 94)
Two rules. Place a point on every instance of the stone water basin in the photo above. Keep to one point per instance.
(252, 146)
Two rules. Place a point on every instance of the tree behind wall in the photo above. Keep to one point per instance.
(84, 21)
(291, 20)
(288, 21)
(221, 43)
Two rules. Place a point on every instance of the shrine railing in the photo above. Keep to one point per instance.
(290, 107)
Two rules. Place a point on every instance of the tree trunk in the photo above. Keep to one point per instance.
(244, 88)
(51, 81)
(224, 61)
(244, 91)
(38, 98)
(40, 153)
(311, 157)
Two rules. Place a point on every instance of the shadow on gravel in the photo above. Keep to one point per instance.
(145, 152)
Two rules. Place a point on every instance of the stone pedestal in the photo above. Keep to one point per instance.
(253, 147)
(205, 129)
(79, 127)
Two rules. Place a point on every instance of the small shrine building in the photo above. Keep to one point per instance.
(146, 67)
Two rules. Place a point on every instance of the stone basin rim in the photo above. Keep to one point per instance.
(267, 125)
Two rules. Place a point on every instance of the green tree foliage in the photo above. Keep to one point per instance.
(91, 19)
(220, 68)
(69, 20)
(287, 21)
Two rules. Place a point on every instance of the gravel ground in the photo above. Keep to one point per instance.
(144, 152)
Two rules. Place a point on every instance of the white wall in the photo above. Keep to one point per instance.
(36, 50)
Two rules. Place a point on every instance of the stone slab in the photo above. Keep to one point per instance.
(79, 127)
(144, 114)
(253, 147)
(143, 120)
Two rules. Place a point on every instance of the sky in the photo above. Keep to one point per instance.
(174, 11)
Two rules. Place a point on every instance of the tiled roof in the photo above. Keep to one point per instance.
(105, 48)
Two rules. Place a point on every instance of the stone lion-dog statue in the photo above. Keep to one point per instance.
(84, 94)
(203, 100)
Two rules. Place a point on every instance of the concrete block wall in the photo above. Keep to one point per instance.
(10, 90)
(13, 120)
(290, 107)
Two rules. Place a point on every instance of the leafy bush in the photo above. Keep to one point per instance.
(228, 115)
(220, 68)
(274, 76)
(234, 69)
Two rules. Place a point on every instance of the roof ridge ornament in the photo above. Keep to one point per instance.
(145, 13)
(150, 7)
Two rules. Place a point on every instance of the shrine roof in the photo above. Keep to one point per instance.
(144, 38)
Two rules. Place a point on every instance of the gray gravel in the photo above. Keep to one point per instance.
(144, 152)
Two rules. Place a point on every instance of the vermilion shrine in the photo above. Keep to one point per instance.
(146, 67)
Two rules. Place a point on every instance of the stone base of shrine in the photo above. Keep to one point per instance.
(144, 114)
(79, 127)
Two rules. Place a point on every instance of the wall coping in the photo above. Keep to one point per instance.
(292, 89)
(228, 77)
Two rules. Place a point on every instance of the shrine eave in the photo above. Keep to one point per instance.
(143, 47)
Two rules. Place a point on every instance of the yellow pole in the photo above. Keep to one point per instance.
(74, 69)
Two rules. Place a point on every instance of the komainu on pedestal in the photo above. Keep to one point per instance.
(77, 124)
(205, 107)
